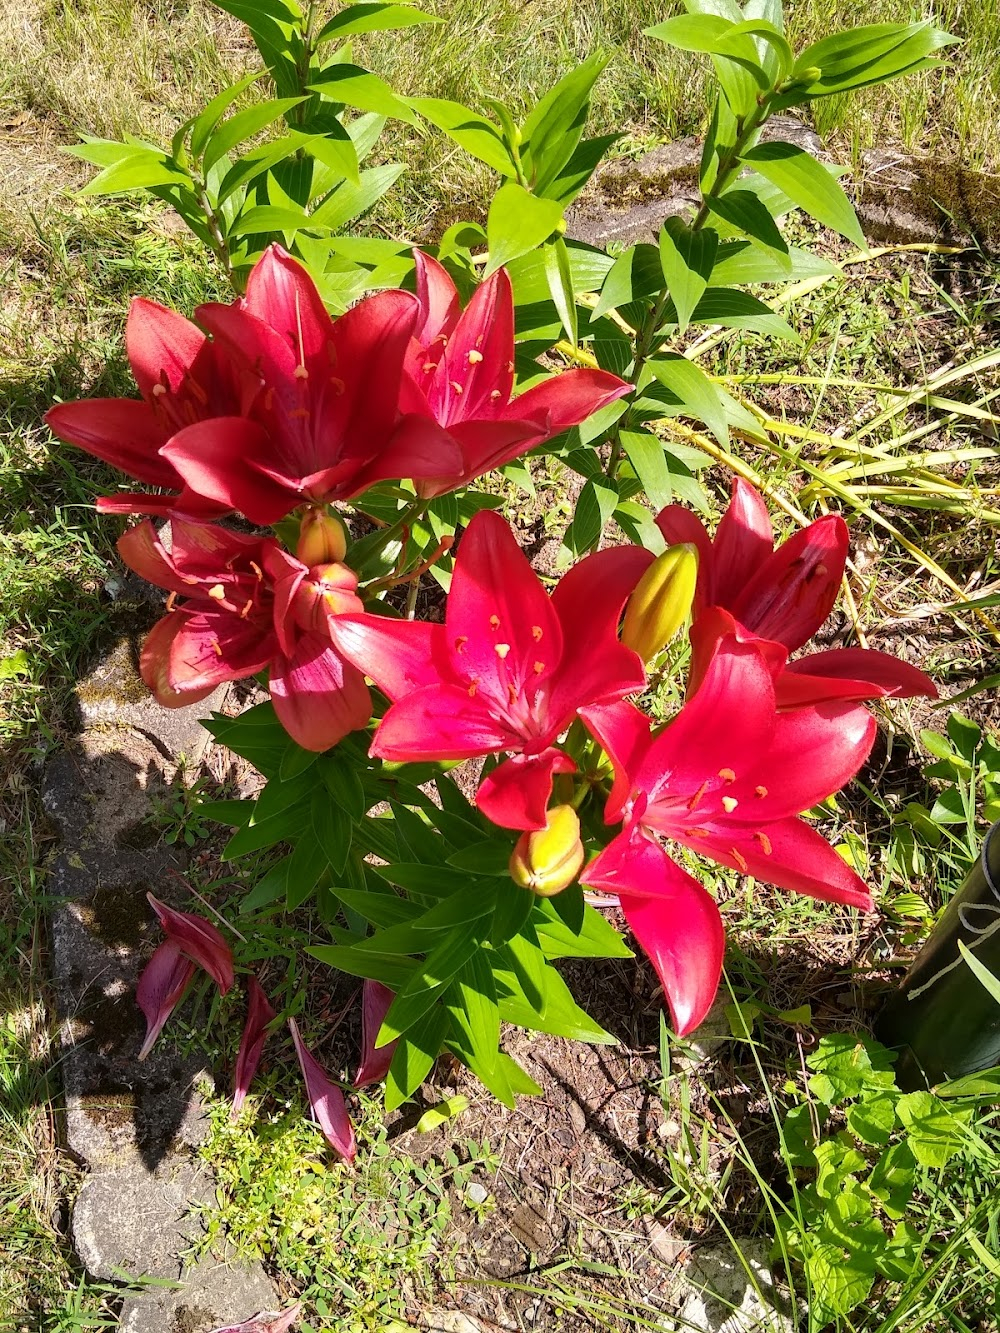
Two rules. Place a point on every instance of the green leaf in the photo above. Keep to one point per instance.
(935, 1131)
(695, 393)
(414, 1057)
(517, 222)
(862, 56)
(332, 828)
(560, 1015)
(579, 169)
(349, 201)
(142, 170)
(513, 908)
(686, 258)
(308, 862)
(365, 17)
(560, 279)
(984, 1084)
(431, 881)
(431, 979)
(595, 939)
(552, 131)
(635, 274)
(594, 509)
(645, 452)
(745, 210)
(739, 310)
(808, 184)
(472, 1000)
(845, 1066)
(839, 1284)
(244, 125)
(872, 1119)
(471, 131)
(268, 889)
(483, 858)
(892, 1179)
(335, 149)
(440, 1114)
(204, 124)
(360, 88)
(392, 971)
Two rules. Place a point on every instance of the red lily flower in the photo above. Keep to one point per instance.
(508, 669)
(246, 602)
(160, 989)
(375, 1060)
(782, 596)
(259, 1015)
(184, 379)
(725, 778)
(322, 427)
(460, 370)
(326, 1100)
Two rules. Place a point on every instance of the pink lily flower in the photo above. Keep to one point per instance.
(265, 1323)
(508, 669)
(375, 1060)
(460, 373)
(246, 602)
(726, 778)
(259, 1015)
(783, 596)
(326, 1099)
(160, 989)
(184, 380)
(322, 427)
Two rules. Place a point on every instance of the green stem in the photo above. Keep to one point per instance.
(648, 341)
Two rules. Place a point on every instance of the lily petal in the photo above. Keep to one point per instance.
(440, 722)
(795, 588)
(743, 541)
(566, 399)
(160, 988)
(217, 459)
(162, 346)
(326, 1099)
(887, 674)
(259, 1015)
(318, 697)
(265, 1323)
(198, 940)
(438, 297)
(516, 794)
(674, 919)
(121, 431)
(398, 655)
(789, 854)
(375, 1060)
(624, 734)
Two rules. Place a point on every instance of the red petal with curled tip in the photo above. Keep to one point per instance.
(794, 589)
(743, 540)
(198, 940)
(326, 1099)
(674, 919)
(375, 1060)
(119, 431)
(160, 988)
(162, 345)
(516, 794)
(259, 1015)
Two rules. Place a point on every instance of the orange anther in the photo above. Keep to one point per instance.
(538, 668)
(765, 842)
(727, 775)
(494, 622)
(740, 860)
(696, 798)
(760, 791)
(460, 643)
(536, 633)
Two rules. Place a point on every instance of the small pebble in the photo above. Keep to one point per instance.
(476, 1194)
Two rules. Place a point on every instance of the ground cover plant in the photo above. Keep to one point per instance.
(415, 531)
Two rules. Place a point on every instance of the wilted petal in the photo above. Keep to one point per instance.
(326, 1099)
(674, 919)
(259, 1015)
(265, 1322)
(516, 794)
(375, 1060)
(198, 940)
(160, 988)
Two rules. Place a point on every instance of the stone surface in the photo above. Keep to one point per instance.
(133, 1124)
(137, 1222)
(210, 1295)
(450, 1321)
(900, 198)
(721, 1297)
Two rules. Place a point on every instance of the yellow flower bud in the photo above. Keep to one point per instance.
(548, 860)
(661, 601)
(322, 537)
